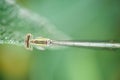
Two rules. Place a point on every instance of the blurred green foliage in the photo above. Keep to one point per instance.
(82, 20)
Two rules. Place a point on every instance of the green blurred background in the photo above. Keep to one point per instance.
(97, 20)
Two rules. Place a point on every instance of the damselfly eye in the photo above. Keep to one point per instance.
(27, 41)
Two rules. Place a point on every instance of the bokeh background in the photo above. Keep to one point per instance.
(92, 20)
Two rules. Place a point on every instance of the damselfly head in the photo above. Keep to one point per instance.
(37, 42)
(27, 41)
